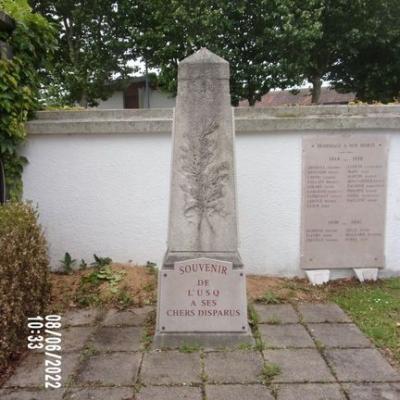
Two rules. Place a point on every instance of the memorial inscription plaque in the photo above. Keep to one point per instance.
(343, 201)
(202, 295)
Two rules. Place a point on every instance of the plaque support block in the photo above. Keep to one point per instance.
(366, 274)
(318, 276)
(202, 339)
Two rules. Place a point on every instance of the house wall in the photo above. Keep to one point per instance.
(157, 99)
(101, 180)
(115, 102)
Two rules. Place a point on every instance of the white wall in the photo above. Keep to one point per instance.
(108, 193)
(157, 99)
(114, 102)
(101, 194)
(269, 194)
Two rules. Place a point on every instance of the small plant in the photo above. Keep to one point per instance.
(253, 316)
(189, 348)
(89, 351)
(260, 344)
(89, 292)
(83, 265)
(137, 387)
(149, 287)
(124, 297)
(245, 346)
(253, 322)
(204, 376)
(87, 299)
(274, 391)
(292, 285)
(149, 328)
(68, 263)
(100, 262)
(320, 346)
(106, 274)
(269, 371)
(270, 298)
(147, 340)
(151, 268)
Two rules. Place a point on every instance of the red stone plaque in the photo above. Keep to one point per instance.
(343, 201)
(202, 295)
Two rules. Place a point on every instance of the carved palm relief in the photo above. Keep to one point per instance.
(205, 177)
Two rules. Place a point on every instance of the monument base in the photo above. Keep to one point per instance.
(203, 339)
(171, 257)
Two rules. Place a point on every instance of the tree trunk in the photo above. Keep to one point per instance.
(316, 89)
(251, 100)
(251, 95)
(83, 101)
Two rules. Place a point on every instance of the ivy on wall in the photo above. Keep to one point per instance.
(33, 42)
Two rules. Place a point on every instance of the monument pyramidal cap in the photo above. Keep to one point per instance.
(202, 285)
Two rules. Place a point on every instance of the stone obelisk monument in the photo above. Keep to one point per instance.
(202, 287)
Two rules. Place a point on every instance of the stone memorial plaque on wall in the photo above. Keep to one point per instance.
(202, 295)
(343, 201)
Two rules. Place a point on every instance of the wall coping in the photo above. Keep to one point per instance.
(247, 120)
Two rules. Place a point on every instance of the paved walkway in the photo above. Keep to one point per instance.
(312, 353)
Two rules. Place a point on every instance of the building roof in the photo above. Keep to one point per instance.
(303, 97)
(121, 84)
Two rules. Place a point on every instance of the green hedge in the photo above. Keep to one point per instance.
(24, 284)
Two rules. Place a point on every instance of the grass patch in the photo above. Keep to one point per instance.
(375, 308)
(270, 298)
(269, 371)
(245, 346)
(254, 320)
(189, 348)
(149, 330)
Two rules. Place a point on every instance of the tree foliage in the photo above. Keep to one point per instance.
(317, 62)
(255, 36)
(259, 38)
(32, 43)
(357, 49)
(280, 43)
(90, 52)
(369, 59)
(269, 44)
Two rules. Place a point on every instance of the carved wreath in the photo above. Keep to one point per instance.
(205, 177)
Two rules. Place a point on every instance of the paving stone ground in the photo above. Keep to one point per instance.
(315, 352)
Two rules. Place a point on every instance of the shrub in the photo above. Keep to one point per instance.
(24, 285)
